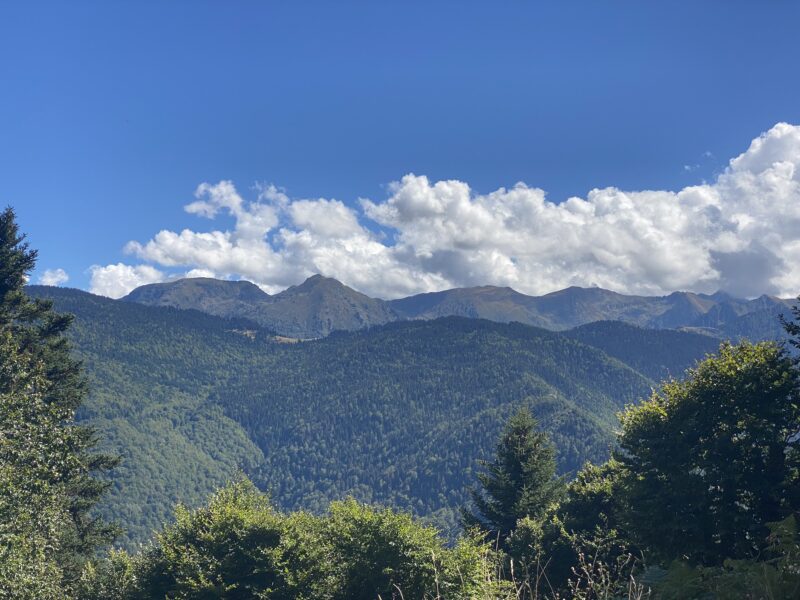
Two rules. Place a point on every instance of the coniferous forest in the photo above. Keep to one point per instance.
(150, 452)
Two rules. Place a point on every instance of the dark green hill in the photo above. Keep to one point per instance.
(397, 414)
(401, 413)
(659, 354)
(150, 372)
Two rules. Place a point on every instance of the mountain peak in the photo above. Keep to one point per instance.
(318, 283)
(318, 279)
(179, 291)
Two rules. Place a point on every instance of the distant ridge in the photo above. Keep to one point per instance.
(321, 305)
(213, 296)
(312, 309)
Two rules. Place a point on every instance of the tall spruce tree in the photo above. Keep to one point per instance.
(36, 364)
(520, 482)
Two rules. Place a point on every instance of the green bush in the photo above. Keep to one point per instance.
(239, 546)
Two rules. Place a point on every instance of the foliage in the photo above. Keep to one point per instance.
(111, 578)
(709, 461)
(592, 510)
(381, 552)
(230, 548)
(33, 505)
(792, 325)
(707, 470)
(238, 546)
(585, 545)
(604, 570)
(594, 498)
(47, 462)
(519, 483)
(774, 574)
(579, 537)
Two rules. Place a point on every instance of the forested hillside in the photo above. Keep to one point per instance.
(401, 413)
(660, 354)
(397, 414)
(150, 372)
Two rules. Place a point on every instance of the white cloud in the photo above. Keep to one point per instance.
(327, 218)
(117, 280)
(740, 232)
(54, 277)
(200, 273)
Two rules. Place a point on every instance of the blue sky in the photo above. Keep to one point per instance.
(112, 114)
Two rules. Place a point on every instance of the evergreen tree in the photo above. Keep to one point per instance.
(34, 343)
(520, 482)
(33, 508)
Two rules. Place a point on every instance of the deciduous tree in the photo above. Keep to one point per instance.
(710, 460)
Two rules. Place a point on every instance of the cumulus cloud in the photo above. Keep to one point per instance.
(54, 277)
(117, 280)
(740, 233)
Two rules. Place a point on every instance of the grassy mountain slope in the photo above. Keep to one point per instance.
(229, 299)
(312, 309)
(321, 305)
(718, 315)
(501, 304)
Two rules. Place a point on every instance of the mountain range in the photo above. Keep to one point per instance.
(397, 414)
(321, 305)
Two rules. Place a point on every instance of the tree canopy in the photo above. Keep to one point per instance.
(48, 465)
(715, 457)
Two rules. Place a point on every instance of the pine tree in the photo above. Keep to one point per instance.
(520, 482)
(34, 342)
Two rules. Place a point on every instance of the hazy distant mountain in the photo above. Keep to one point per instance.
(213, 296)
(501, 304)
(321, 305)
(312, 309)
(718, 315)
